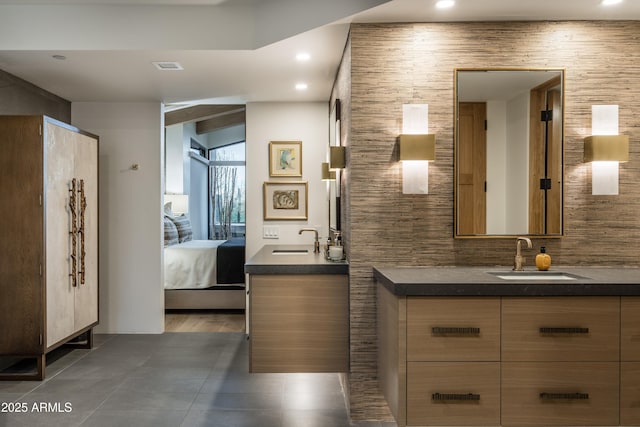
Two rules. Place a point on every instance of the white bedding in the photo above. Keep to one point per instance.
(191, 265)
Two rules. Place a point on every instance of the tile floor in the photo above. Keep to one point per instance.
(173, 379)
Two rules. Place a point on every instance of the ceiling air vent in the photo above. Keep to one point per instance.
(167, 66)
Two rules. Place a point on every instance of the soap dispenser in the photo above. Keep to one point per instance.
(543, 260)
(336, 251)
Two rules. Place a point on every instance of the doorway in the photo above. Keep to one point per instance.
(204, 275)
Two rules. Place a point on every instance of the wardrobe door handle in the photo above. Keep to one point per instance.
(564, 396)
(440, 330)
(83, 208)
(74, 233)
(564, 330)
(441, 397)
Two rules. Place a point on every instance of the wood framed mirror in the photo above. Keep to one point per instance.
(509, 149)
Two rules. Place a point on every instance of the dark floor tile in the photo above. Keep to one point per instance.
(177, 360)
(233, 419)
(18, 386)
(105, 418)
(135, 400)
(336, 418)
(123, 351)
(91, 368)
(9, 397)
(233, 401)
(313, 401)
(76, 400)
(164, 383)
(58, 386)
(168, 373)
(202, 339)
(43, 419)
(176, 379)
(243, 383)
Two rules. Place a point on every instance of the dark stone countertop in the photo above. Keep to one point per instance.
(265, 262)
(483, 281)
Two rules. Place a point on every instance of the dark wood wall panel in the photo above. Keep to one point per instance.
(387, 65)
(18, 96)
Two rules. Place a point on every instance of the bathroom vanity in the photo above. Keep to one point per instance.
(486, 346)
(298, 311)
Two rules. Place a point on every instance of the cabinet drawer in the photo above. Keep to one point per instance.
(453, 329)
(453, 393)
(630, 393)
(561, 329)
(630, 329)
(563, 393)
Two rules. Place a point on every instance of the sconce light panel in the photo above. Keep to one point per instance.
(417, 147)
(337, 157)
(606, 148)
(327, 175)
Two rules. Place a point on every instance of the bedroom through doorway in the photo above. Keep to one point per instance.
(205, 203)
(204, 321)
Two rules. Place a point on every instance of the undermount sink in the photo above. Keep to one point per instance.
(290, 252)
(535, 275)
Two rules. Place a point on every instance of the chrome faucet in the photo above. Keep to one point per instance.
(519, 260)
(316, 244)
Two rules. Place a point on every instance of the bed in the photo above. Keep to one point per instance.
(205, 274)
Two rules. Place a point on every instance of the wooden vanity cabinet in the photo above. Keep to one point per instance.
(529, 361)
(630, 361)
(48, 254)
(299, 323)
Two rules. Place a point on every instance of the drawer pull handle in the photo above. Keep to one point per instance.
(564, 396)
(545, 330)
(455, 396)
(437, 330)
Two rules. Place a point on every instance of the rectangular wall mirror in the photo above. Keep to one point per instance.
(509, 152)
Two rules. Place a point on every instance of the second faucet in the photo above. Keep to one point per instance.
(316, 243)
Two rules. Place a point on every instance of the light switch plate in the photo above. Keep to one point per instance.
(270, 232)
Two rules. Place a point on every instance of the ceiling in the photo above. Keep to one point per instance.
(232, 51)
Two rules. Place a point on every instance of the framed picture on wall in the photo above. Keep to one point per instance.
(285, 200)
(285, 158)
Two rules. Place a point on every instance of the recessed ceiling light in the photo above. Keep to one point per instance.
(444, 4)
(301, 86)
(168, 66)
(303, 56)
(610, 2)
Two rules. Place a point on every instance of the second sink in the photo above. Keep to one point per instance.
(290, 252)
(535, 275)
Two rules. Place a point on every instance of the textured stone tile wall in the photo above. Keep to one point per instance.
(387, 65)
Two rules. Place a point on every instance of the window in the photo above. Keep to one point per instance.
(227, 191)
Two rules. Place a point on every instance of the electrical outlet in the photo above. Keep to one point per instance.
(270, 232)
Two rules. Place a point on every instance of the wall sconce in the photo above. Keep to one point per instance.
(337, 158)
(327, 175)
(417, 148)
(179, 203)
(605, 149)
